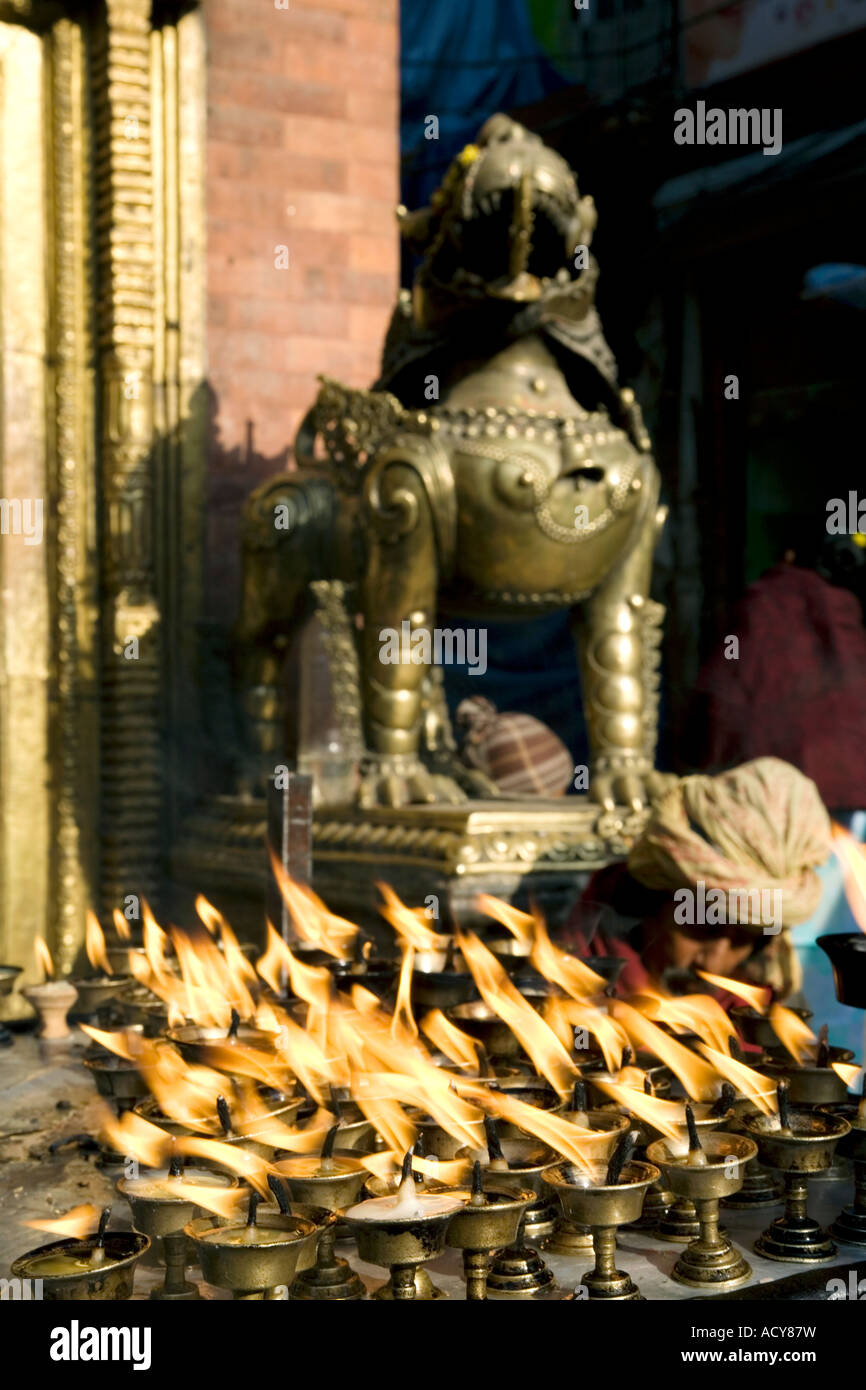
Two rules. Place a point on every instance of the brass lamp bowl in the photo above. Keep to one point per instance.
(437, 1142)
(609, 1122)
(116, 1078)
(808, 1146)
(139, 1006)
(405, 1242)
(603, 1208)
(97, 991)
(251, 1270)
(853, 1144)
(847, 954)
(810, 1084)
(493, 1224)
(598, 1204)
(324, 1221)
(531, 1092)
(680, 1223)
(512, 954)
(8, 975)
(197, 1042)
(109, 1281)
(435, 957)
(710, 1260)
(518, 1270)
(528, 1159)
(660, 1078)
(567, 1238)
(334, 1189)
(728, 1155)
(148, 1109)
(442, 989)
(162, 1217)
(256, 1136)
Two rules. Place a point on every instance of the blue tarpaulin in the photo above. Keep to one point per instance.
(461, 61)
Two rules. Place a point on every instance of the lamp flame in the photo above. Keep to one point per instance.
(77, 1223)
(540, 1042)
(43, 957)
(94, 943)
(852, 857)
(758, 996)
(410, 923)
(794, 1035)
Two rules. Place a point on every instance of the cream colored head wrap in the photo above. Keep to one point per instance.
(759, 826)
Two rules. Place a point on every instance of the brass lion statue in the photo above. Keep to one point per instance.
(495, 469)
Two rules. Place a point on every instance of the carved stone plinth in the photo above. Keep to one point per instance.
(510, 848)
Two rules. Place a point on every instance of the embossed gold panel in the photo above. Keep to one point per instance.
(102, 403)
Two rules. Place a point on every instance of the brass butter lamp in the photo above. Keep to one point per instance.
(97, 1268)
(489, 1221)
(712, 1168)
(161, 1215)
(256, 1260)
(613, 1197)
(799, 1143)
(403, 1231)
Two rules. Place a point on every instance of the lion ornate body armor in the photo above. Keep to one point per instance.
(495, 469)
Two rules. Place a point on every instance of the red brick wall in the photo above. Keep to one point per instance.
(302, 151)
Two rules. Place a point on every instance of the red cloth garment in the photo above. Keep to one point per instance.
(797, 690)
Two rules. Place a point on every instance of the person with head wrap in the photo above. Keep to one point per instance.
(724, 867)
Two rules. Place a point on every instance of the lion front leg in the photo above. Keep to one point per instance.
(398, 598)
(618, 635)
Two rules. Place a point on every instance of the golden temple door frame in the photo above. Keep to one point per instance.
(102, 311)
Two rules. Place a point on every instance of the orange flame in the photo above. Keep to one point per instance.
(121, 926)
(227, 1202)
(852, 1076)
(126, 1045)
(852, 857)
(758, 996)
(403, 1025)
(585, 1147)
(94, 943)
(410, 923)
(448, 1038)
(562, 969)
(563, 1015)
(249, 1166)
(135, 1137)
(78, 1222)
(794, 1035)
(43, 957)
(698, 1078)
(745, 1081)
(548, 1055)
(311, 918)
(688, 1013)
(520, 924)
(667, 1116)
(155, 944)
(386, 1167)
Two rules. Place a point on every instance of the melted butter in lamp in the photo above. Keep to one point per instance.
(407, 1204)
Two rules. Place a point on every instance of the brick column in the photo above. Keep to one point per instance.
(302, 153)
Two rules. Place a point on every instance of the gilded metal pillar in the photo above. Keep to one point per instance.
(132, 628)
